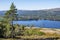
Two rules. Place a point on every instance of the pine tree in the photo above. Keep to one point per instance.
(10, 15)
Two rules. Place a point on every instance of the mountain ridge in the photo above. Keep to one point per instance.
(51, 14)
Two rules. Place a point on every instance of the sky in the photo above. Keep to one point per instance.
(30, 4)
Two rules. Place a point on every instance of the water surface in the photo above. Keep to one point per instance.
(40, 23)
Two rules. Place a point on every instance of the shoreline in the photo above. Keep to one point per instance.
(43, 28)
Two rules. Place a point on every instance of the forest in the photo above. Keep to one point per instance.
(47, 14)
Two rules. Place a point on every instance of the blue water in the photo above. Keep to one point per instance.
(40, 23)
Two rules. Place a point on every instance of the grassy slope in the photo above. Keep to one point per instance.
(48, 34)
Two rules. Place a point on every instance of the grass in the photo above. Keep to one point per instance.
(6, 39)
(34, 34)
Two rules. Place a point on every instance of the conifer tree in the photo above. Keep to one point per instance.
(10, 15)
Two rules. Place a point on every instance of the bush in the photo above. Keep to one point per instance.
(40, 33)
(33, 32)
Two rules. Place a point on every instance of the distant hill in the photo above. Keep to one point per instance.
(2, 13)
(46, 14)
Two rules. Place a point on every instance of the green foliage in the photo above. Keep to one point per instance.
(6, 30)
(22, 27)
(33, 32)
(11, 15)
(21, 30)
(16, 31)
(40, 33)
(1, 29)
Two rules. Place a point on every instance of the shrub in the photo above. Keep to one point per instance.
(40, 33)
(33, 32)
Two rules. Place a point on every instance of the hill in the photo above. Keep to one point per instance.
(46, 14)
